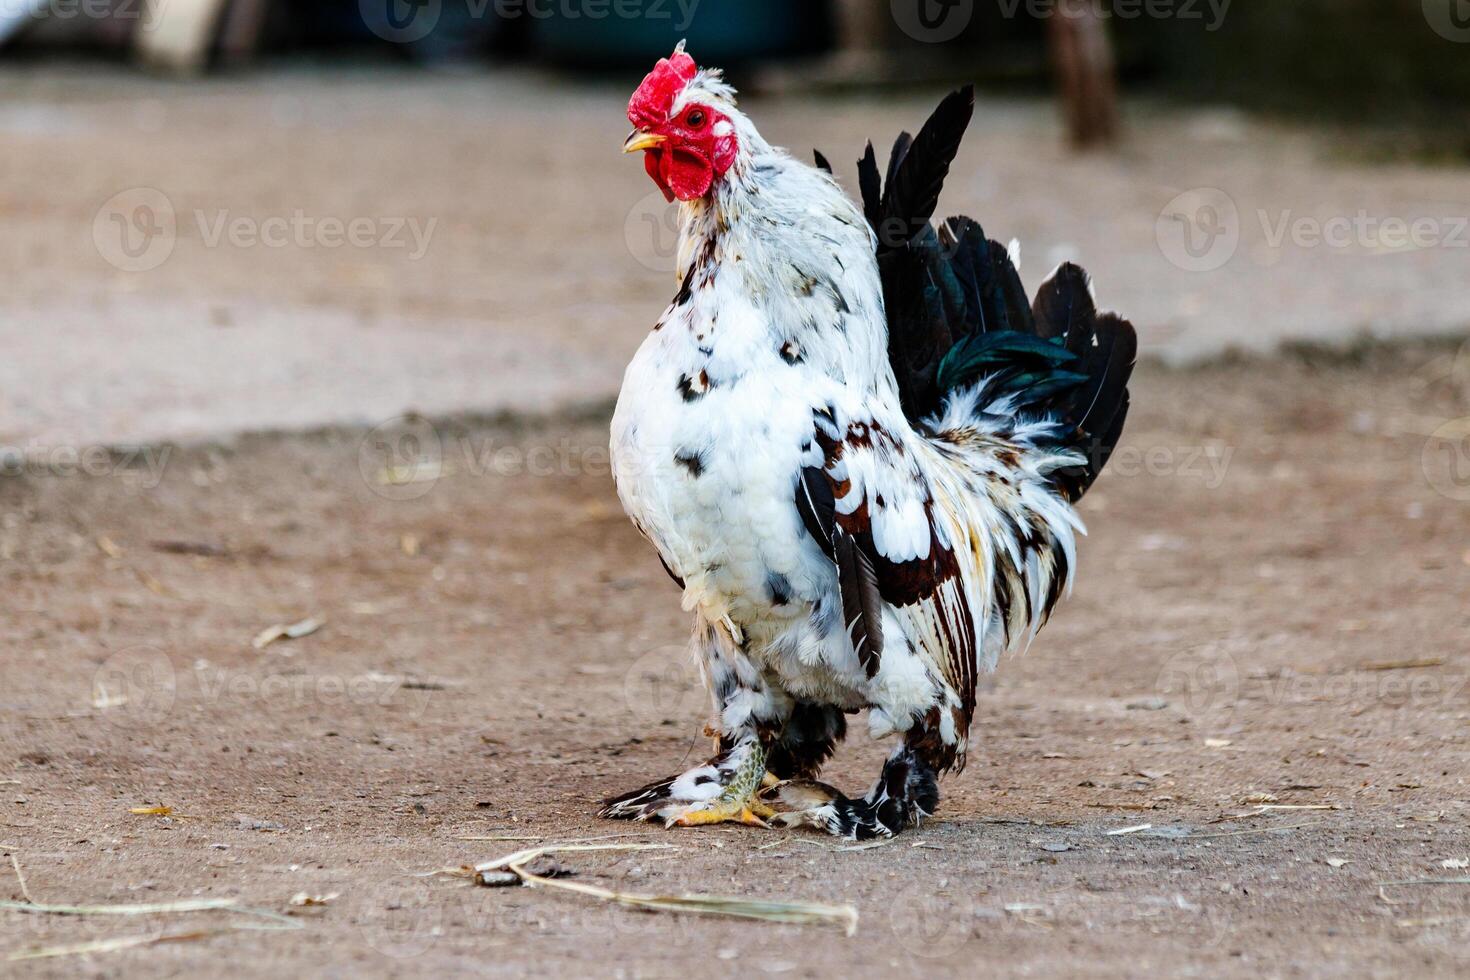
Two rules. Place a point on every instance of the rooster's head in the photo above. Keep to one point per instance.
(686, 124)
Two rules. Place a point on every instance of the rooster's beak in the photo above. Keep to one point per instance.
(643, 140)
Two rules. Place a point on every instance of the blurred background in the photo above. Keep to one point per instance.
(240, 214)
(312, 315)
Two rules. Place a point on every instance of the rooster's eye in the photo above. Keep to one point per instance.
(695, 118)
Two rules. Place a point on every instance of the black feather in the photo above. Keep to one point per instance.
(1064, 304)
(1017, 310)
(862, 604)
(871, 185)
(817, 506)
(896, 155)
(822, 162)
(958, 312)
(1106, 347)
(917, 176)
(989, 353)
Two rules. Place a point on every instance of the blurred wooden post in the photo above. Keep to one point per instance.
(861, 25)
(1082, 54)
(239, 38)
(178, 34)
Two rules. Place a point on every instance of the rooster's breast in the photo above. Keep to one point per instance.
(706, 453)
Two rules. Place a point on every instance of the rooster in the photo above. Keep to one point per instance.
(856, 447)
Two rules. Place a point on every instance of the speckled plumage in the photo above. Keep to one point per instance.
(837, 554)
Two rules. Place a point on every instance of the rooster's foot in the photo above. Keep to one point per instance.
(905, 794)
(724, 790)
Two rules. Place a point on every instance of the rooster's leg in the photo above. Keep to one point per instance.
(726, 789)
(904, 794)
(806, 741)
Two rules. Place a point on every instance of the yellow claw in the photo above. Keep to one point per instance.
(740, 802)
(751, 813)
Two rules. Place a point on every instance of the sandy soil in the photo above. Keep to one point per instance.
(543, 255)
(1271, 612)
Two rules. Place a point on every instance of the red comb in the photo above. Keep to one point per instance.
(650, 105)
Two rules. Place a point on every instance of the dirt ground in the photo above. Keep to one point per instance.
(1271, 613)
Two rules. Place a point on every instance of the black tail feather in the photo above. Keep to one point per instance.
(1064, 303)
(870, 182)
(919, 168)
(1013, 294)
(958, 312)
(1106, 347)
(897, 155)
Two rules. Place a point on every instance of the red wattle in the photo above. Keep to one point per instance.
(655, 170)
(687, 174)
